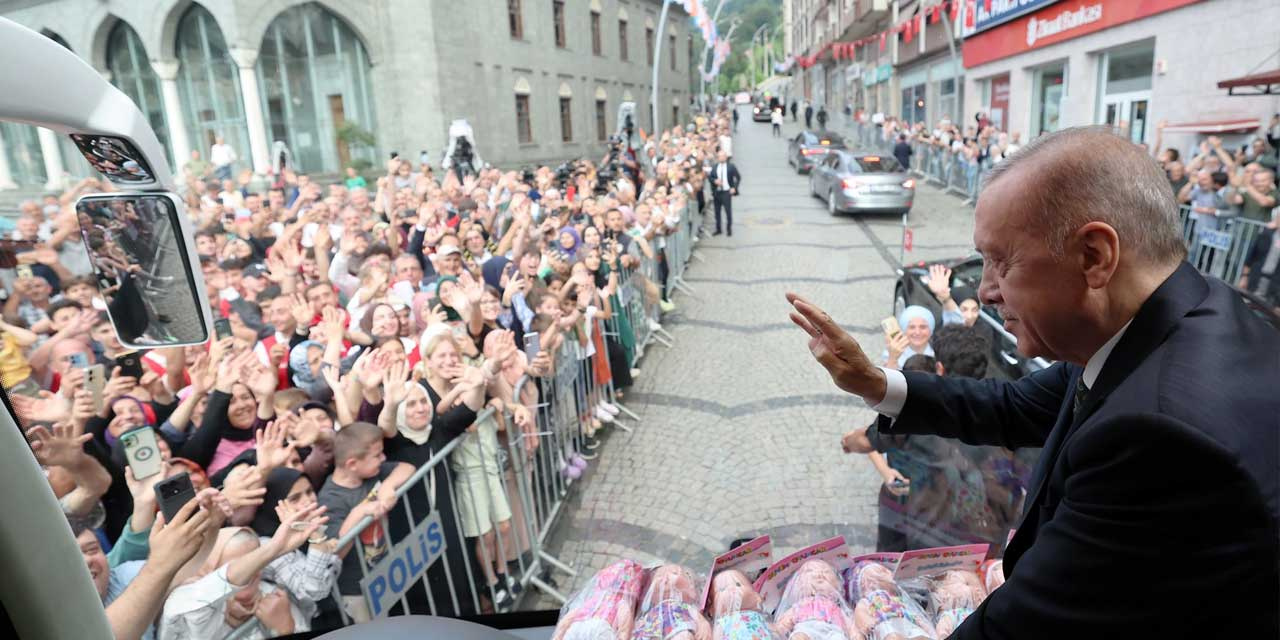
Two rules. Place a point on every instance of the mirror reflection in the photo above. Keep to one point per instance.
(138, 256)
(115, 158)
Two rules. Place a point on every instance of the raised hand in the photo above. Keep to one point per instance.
(940, 282)
(49, 407)
(261, 380)
(297, 526)
(301, 310)
(897, 346)
(274, 447)
(59, 446)
(395, 382)
(118, 385)
(245, 486)
(838, 352)
(174, 543)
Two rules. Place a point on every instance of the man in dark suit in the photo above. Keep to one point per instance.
(1157, 496)
(724, 186)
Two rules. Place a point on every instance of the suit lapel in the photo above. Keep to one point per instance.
(1170, 302)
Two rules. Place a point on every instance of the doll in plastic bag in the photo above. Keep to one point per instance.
(881, 610)
(669, 610)
(737, 609)
(811, 607)
(952, 597)
(992, 573)
(605, 608)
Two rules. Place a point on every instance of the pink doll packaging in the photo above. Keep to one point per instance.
(670, 609)
(736, 608)
(771, 583)
(947, 579)
(605, 608)
(812, 607)
(882, 610)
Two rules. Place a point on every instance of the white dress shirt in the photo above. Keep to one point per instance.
(895, 395)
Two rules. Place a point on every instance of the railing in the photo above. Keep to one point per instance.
(1217, 246)
(507, 487)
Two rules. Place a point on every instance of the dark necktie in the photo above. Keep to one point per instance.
(1078, 400)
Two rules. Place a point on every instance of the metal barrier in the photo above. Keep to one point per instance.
(507, 487)
(1218, 246)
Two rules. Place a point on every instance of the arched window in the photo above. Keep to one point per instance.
(316, 94)
(131, 72)
(209, 84)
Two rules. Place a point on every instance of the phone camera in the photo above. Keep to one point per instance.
(144, 453)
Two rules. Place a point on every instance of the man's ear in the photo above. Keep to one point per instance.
(937, 366)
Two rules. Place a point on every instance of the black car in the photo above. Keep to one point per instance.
(808, 148)
(760, 111)
(1006, 361)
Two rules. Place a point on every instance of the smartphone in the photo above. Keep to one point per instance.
(95, 379)
(79, 360)
(895, 484)
(532, 345)
(222, 328)
(130, 364)
(141, 451)
(890, 326)
(174, 493)
(24, 271)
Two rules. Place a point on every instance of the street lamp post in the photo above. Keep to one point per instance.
(754, 37)
(657, 65)
(702, 68)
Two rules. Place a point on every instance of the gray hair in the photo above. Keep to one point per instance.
(1087, 174)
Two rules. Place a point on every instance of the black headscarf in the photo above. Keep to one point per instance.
(279, 482)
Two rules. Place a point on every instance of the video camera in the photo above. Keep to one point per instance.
(461, 155)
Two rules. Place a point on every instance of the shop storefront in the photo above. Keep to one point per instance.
(1037, 67)
(875, 81)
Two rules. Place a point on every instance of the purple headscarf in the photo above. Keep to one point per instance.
(577, 241)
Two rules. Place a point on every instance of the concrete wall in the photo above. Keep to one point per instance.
(1200, 44)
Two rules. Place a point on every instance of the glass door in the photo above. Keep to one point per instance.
(1126, 114)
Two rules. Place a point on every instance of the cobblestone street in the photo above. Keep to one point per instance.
(740, 432)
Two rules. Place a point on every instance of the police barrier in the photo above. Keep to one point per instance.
(508, 479)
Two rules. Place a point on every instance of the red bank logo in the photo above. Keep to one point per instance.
(1065, 21)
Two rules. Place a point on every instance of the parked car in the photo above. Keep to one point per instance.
(863, 183)
(1005, 360)
(808, 148)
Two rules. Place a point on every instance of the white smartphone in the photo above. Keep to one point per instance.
(532, 345)
(141, 451)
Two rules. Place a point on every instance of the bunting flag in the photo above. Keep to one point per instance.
(906, 28)
(935, 13)
(882, 40)
(987, 4)
(955, 10)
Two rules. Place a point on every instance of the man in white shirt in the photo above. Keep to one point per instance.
(1153, 390)
(222, 156)
(724, 185)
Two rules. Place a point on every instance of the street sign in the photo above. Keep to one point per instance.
(403, 565)
(1216, 239)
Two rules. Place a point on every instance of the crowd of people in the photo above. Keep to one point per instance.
(369, 328)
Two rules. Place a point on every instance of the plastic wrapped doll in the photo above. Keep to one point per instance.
(992, 573)
(669, 610)
(881, 611)
(736, 607)
(605, 608)
(811, 607)
(952, 597)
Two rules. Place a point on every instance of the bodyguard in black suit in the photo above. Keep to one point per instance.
(1155, 508)
(724, 186)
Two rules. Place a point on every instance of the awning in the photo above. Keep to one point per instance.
(1254, 84)
(1243, 125)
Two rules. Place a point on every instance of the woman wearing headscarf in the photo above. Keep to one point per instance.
(917, 325)
(415, 432)
(569, 240)
(310, 572)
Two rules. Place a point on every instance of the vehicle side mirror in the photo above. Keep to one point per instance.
(139, 254)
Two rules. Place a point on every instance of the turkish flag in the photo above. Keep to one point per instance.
(908, 239)
(907, 30)
(987, 4)
(935, 13)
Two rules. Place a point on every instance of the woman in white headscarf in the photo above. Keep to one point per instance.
(917, 325)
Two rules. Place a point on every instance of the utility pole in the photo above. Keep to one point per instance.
(754, 37)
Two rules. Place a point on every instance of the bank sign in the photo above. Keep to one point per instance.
(987, 14)
(1047, 23)
(400, 569)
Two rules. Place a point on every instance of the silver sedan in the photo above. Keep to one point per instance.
(863, 183)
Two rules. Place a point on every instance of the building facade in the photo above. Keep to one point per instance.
(345, 82)
(1125, 64)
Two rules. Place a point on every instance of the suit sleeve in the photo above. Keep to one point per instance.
(1139, 535)
(982, 412)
